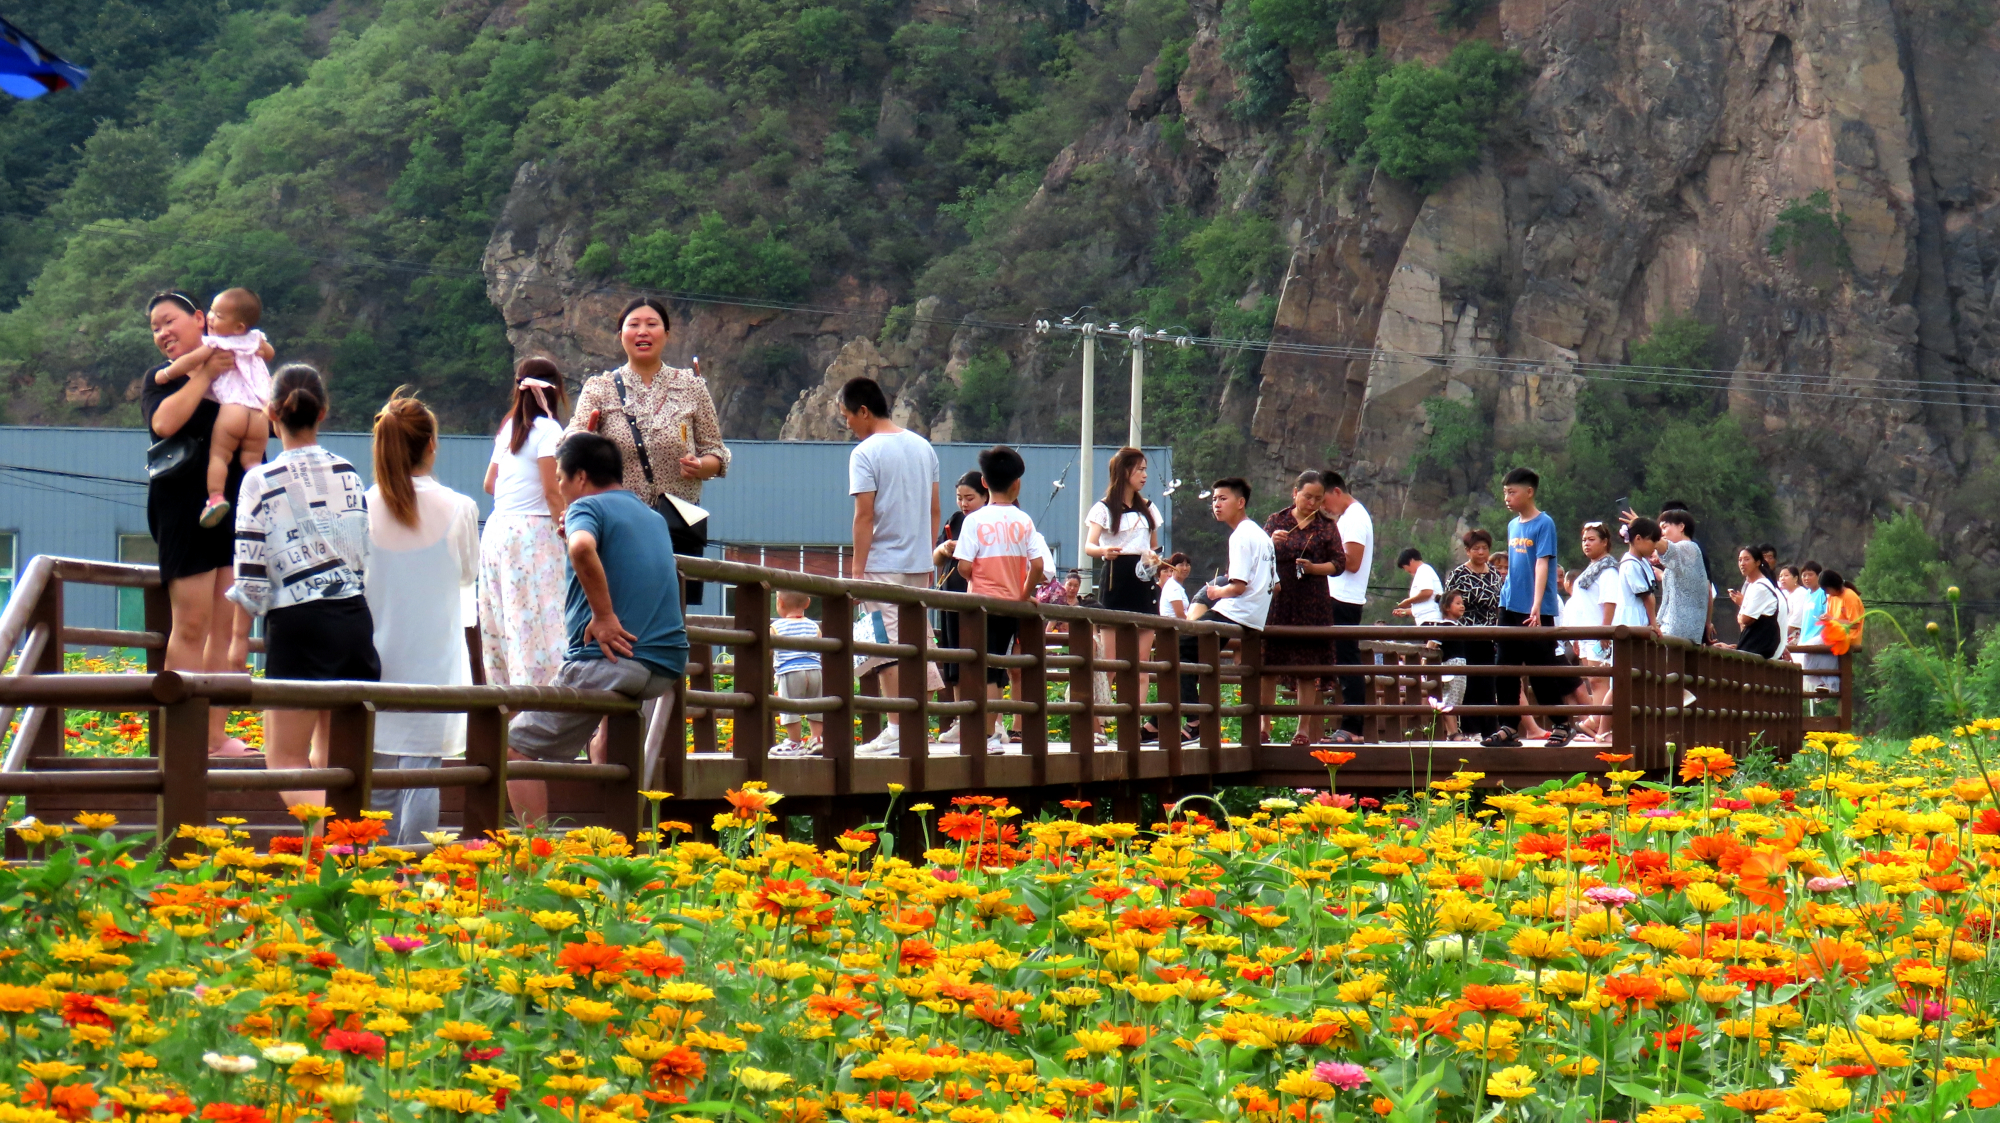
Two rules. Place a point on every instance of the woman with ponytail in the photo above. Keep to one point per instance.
(522, 563)
(423, 543)
(301, 556)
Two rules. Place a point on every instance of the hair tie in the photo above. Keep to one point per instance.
(537, 387)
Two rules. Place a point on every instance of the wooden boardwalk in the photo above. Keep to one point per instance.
(1076, 668)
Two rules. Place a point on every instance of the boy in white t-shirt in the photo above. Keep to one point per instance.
(1244, 595)
(996, 554)
(1637, 604)
(1425, 603)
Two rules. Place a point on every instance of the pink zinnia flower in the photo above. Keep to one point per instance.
(1610, 896)
(1827, 884)
(945, 875)
(1930, 1011)
(402, 945)
(1340, 1074)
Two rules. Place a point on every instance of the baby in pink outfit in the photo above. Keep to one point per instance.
(243, 391)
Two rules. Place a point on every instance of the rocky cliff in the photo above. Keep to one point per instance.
(1640, 176)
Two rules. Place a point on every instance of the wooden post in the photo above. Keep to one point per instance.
(1083, 689)
(972, 625)
(350, 744)
(475, 654)
(1170, 693)
(1250, 654)
(1128, 692)
(625, 743)
(1210, 646)
(1034, 642)
(48, 613)
(704, 726)
(486, 745)
(913, 628)
(183, 741)
(1846, 673)
(752, 676)
(837, 679)
(159, 617)
(1623, 695)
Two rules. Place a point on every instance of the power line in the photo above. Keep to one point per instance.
(1900, 391)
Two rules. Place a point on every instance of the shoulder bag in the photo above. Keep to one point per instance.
(687, 524)
(170, 456)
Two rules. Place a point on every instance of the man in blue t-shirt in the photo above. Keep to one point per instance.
(1529, 600)
(622, 604)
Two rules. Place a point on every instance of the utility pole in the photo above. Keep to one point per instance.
(1138, 337)
(1085, 450)
(1086, 444)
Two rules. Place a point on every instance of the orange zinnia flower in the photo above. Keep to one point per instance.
(747, 804)
(1154, 921)
(1988, 1092)
(1332, 759)
(354, 832)
(1633, 988)
(1829, 958)
(1755, 1100)
(590, 959)
(826, 1008)
(678, 1067)
(999, 1017)
(1761, 878)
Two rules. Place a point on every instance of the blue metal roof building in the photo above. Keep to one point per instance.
(81, 492)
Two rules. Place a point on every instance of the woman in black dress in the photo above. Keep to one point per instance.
(209, 633)
(1307, 543)
(971, 497)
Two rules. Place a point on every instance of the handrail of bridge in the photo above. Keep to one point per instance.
(1667, 694)
(182, 777)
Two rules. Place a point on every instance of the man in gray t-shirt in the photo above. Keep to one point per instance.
(893, 476)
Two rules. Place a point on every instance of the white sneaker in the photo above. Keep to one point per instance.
(999, 745)
(791, 749)
(950, 736)
(889, 742)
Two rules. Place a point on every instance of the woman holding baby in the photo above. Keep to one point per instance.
(209, 633)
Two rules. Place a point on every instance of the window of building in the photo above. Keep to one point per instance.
(134, 549)
(7, 560)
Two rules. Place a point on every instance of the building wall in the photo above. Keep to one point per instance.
(75, 491)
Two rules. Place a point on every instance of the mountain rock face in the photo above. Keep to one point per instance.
(1654, 149)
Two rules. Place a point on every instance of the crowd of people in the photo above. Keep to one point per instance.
(574, 581)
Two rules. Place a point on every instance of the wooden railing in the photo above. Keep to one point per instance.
(1669, 695)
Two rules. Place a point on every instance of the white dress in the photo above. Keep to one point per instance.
(418, 578)
(248, 383)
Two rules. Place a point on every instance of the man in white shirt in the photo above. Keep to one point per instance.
(1244, 595)
(1425, 604)
(1350, 593)
(892, 475)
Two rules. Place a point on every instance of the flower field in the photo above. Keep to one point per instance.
(1607, 948)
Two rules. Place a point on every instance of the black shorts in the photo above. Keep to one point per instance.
(322, 640)
(1000, 634)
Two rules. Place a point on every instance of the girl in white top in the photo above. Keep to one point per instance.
(522, 564)
(1124, 541)
(424, 554)
(1760, 607)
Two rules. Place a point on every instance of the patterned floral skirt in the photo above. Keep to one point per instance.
(521, 575)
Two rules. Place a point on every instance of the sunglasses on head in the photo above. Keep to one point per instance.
(171, 296)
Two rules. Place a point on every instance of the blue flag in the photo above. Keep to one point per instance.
(28, 71)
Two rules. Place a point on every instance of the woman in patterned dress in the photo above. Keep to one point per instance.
(522, 564)
(1478, 581)
(670, 406)
(1307, 543)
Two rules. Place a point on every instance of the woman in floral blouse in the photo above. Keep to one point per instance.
(661, 418)
(1479, 583)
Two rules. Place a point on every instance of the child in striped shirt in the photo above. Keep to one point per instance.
(797, 672)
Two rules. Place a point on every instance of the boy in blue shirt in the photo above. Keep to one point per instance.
(622, 604)
(1529, 600)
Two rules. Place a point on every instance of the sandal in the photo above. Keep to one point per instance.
(1300, 741)
(1344, 737)
(1560, 737)
(1501, 738)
